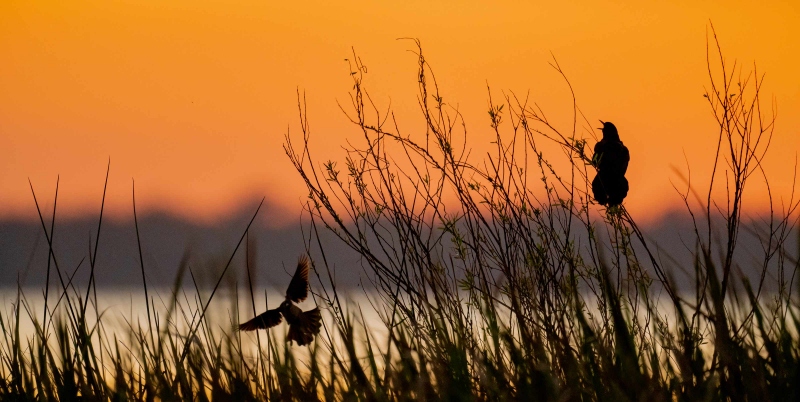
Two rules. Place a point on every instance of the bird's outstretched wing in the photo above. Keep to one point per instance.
(305, 328)
(298, 287)
(263, 321)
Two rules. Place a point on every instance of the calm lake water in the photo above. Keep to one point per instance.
(121, 309)
(124, 309)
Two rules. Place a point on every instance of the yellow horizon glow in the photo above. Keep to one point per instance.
(192, 99)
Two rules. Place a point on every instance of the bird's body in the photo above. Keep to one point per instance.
(611, 158)
(303, 325)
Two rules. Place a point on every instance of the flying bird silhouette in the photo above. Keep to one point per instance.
(611, 158)
(303, 325)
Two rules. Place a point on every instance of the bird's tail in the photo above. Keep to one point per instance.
(304, 330)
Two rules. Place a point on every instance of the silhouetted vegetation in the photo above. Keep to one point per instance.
(495, 278)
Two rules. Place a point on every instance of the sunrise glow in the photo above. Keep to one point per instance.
(192, 99)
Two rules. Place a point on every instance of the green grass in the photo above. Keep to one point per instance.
(523, 289)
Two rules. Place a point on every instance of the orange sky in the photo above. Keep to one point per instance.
(193, 98)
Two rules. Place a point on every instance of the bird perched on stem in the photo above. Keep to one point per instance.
(611, 159)
(302, 325)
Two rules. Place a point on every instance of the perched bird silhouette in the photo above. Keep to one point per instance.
(302, 325)
(611, 158)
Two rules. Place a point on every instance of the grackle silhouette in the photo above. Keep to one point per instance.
(611, 159)
(302, 325)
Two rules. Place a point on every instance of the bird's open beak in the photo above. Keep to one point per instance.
(603, 123)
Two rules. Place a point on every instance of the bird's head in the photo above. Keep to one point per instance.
(286, 304)
(609, 131)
